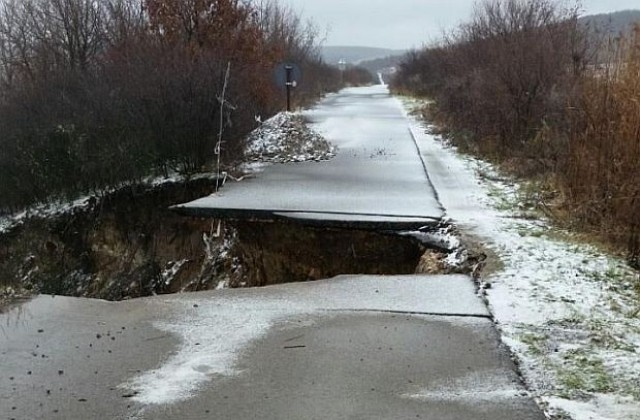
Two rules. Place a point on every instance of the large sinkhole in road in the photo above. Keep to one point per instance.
(284, 252)
(132, 244)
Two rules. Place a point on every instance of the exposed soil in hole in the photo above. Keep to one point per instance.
(121, 246)
(130, 245)
(271, 253)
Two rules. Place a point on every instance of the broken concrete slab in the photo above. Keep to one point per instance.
(376, 179)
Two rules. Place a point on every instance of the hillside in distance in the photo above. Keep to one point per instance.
(355, 55)
(386, 65)
(613, 24)
(385, 60)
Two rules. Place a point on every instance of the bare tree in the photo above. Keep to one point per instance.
(96, 93)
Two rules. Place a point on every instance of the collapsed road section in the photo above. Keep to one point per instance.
(347, 215)
(368, 346)
(277, 252)
(319, 219)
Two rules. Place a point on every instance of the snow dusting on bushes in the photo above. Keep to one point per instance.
(286, 137)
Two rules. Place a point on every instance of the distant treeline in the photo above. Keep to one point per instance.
(382, 65)
(611, 24)
(97, 93)
(357, 76)
(520, 84)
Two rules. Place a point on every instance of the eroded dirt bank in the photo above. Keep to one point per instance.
(121, 246)
(130, 244)
(271, 253)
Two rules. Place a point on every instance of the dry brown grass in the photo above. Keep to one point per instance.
(601, 177)
(518, 86)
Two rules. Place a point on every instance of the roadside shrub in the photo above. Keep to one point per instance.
(99, 93)
(601, 174)
(499, 79)
(524, 84)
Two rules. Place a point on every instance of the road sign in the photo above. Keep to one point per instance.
(280, 75)
(288, 76)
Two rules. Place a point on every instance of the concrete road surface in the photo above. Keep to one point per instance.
(377, 176)
(369, 366)
(353, 347)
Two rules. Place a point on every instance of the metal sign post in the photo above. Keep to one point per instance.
(289, 83)
(287, 77)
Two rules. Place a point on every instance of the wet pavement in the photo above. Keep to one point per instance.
(352, 347)
(361, 347)
(369, 367)
(66, 358)
(376, 179)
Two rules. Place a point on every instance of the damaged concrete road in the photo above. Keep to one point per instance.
(369, 347)
(356, 347)
(376, 180)
(369, 366)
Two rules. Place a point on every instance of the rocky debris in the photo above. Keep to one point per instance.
(431, 262)
(286, 137)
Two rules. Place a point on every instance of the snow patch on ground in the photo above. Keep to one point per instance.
(600, 407)
(475, 388)
(171, 271)
(211, 333)
(568, 311)
(53, 209)
(463, 396)
(61, 207)
(286, 137)
(444, 237)
(214, 327)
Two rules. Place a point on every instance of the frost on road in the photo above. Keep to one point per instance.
(223, 323)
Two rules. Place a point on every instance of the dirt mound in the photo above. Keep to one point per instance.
(286, 137)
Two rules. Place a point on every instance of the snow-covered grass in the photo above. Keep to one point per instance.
(568, 311)
(53, 209)
(59, 207)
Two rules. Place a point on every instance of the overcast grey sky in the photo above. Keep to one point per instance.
(404, 23)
